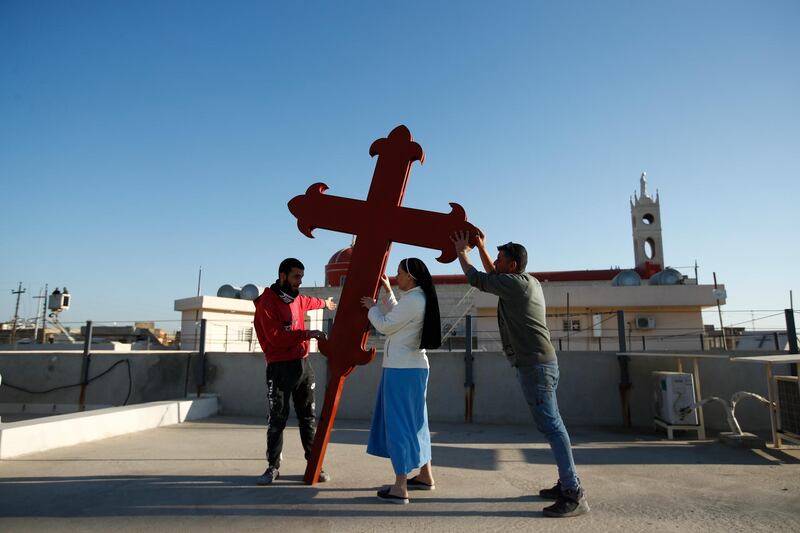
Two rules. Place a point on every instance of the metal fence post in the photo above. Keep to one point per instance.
(85, 364)
(469, 381)
(201, 360)
(791, 332)
(624, 375)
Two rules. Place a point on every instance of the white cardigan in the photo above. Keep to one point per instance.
(401, 322)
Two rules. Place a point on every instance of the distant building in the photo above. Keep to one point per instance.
(662, 307)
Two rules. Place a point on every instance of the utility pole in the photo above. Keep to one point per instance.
(719, 310)
(44, 317)
(20, 291)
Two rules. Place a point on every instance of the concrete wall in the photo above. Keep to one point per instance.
(588, 392)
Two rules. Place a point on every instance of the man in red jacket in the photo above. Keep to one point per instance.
(279, 323)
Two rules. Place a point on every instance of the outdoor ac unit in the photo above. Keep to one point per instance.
(645, 322)
(788, 388)
(673, 391)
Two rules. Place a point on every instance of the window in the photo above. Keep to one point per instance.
(244, 334)
(573, 324)
(649, 248)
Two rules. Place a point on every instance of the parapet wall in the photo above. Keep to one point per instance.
(588, 392)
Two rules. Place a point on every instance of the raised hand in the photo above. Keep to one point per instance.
(460, 240)
(480, 238)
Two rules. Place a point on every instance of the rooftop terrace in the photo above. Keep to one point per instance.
(200, 475)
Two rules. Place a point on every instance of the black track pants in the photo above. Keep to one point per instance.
(285, 380)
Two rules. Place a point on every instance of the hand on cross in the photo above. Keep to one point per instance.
(330, 304)
(316, 334)
(480, 239)
(367, 302)
(461, 242)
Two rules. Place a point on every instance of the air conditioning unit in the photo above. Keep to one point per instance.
(788, 394)
(672, 392)
(645, 322)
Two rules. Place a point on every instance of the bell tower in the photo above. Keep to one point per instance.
(648, 247)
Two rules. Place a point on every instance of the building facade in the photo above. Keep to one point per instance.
(661, 308)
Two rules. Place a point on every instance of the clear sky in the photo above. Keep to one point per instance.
(142, 139)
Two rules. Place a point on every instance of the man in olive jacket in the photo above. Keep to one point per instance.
(526, 343)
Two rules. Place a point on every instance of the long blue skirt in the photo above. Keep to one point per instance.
(400, 422)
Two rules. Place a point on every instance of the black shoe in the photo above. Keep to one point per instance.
(269, 476)
(551, 494)
(323, 477)
(570, 503)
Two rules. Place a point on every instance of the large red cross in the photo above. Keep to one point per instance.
(376, 222)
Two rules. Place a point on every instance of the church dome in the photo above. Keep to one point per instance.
(337, 267)
(342, 256)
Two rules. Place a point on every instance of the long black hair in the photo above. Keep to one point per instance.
(432, 323)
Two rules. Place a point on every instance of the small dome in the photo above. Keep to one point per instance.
(668, 276)
(627, 278)
(337, 267)
(342, 256)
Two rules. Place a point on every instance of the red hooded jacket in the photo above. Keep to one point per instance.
(280, 326)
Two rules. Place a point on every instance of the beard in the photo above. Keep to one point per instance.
(288, 289)
(285, 291)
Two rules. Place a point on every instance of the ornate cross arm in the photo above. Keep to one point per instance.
(398, 224)
(315, 209)
(404, 225)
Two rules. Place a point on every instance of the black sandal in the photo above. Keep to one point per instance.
(415, 484)
(387, 496)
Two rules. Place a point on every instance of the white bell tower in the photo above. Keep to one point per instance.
(648, 248)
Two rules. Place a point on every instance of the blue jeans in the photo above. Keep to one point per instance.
(539, 384)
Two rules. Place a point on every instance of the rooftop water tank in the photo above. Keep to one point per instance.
(668, 276)
(229, 291)
(627, 278)
(59, 301)
(251, 291)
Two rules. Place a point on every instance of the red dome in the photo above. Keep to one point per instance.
(342, 256)
(337, 267)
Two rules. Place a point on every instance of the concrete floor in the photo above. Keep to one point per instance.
(200, 476)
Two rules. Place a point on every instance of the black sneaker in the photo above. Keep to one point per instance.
(269, 476)
(570, 503)
(551, 494)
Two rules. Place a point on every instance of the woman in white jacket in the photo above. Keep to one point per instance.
(400, 422)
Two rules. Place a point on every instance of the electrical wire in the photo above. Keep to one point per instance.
(90, 380)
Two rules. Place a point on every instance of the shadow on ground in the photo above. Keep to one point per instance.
(107, 496)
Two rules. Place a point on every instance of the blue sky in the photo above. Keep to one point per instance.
(142, 139)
